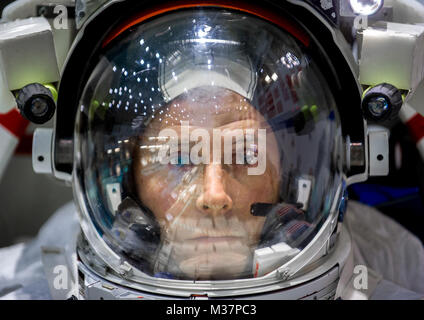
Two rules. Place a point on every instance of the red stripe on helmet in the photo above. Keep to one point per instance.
(273, 17)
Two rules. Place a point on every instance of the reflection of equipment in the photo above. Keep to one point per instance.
(304, 187)
(140, 231)
(113, 191)
(269, 258)
(284, 223)
(300, 122)
(303, 122)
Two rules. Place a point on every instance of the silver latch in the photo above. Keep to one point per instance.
(41, 151)
(378, 142)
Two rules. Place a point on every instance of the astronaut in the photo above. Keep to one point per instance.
(210, 147)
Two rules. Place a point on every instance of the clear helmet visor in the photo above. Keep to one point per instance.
(208, 146)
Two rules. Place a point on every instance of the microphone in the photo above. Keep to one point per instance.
(263, 209)
(283, 222)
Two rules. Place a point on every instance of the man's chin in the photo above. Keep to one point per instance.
(215, 266)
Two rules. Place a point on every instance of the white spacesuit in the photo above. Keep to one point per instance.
(394, 259)
(210, 148)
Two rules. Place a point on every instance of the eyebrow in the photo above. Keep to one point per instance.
(176, 128)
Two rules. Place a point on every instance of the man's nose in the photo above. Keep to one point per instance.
(214, 198)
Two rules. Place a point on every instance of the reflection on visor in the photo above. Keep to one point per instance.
(211, 154)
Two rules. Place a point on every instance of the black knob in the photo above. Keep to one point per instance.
(36, 103)
(382, 102)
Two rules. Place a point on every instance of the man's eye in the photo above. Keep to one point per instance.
(244, 159)
(250, 157)
(182, 161)
(247, 158)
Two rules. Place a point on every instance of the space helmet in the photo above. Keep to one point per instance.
(210, 144)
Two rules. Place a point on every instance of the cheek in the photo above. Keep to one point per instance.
(246, 190)
(160, 191)
(155, 194)
(254, 227)
(273, 155)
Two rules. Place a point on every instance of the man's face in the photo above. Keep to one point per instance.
(207, 230)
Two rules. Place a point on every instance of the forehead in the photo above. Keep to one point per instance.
(206, 107)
